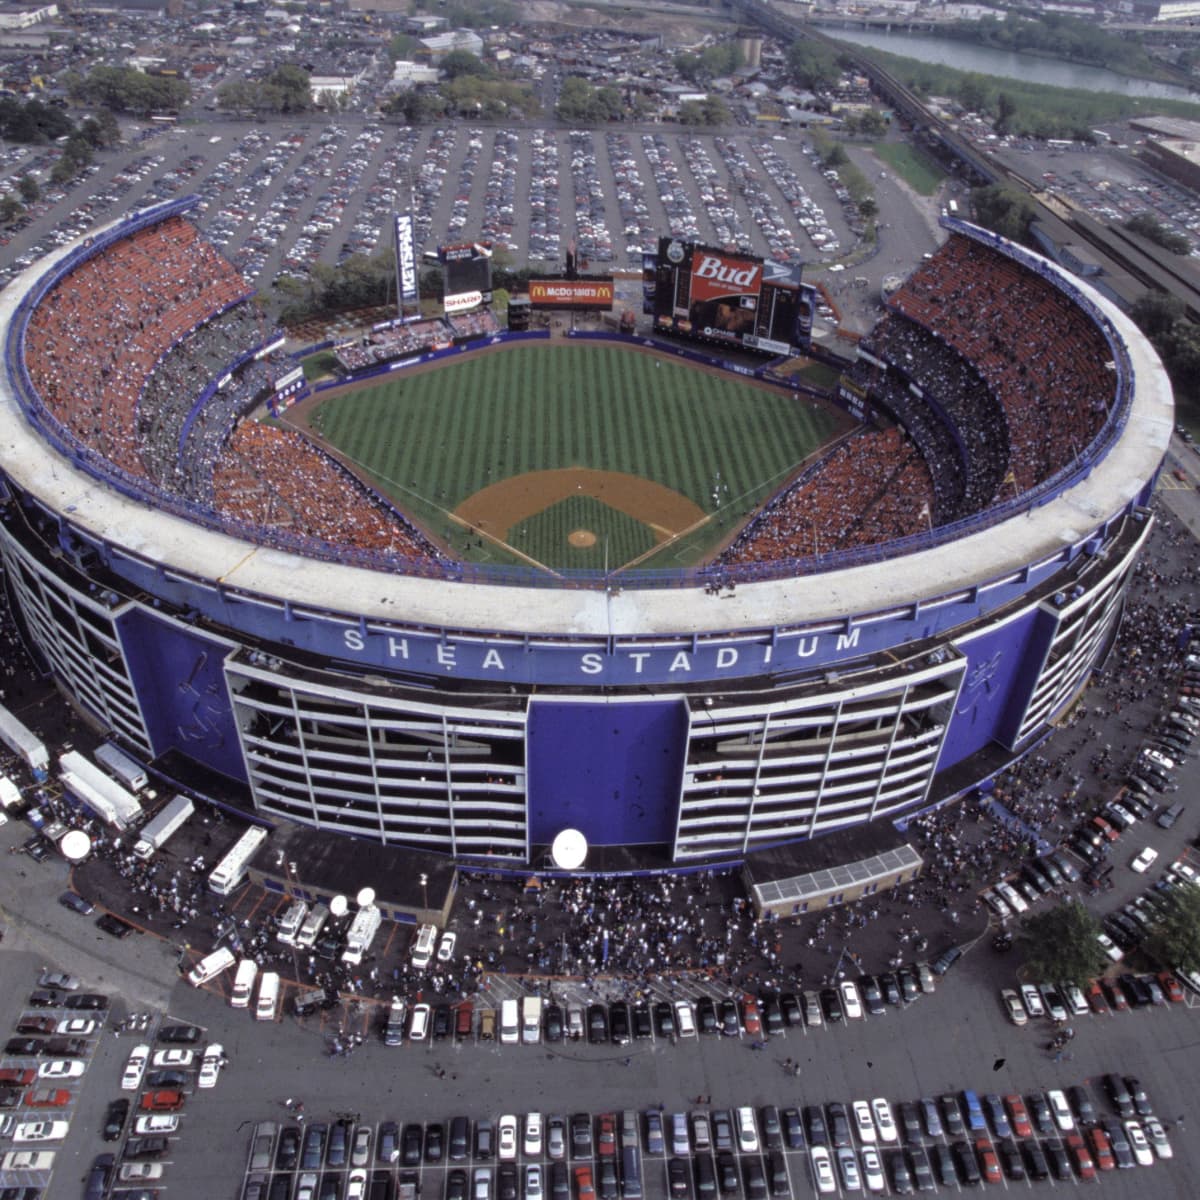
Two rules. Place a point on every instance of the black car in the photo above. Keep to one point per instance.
(36, 847)
(899, 1173)
(21, 1047)
(287, 1152)
(1060, 1160)
(772, 1015)
(910, 1122)
(114, 1120)
(10, 1097)
(95, 1187)
(313, 1147)
(387, 1144)
(411, 1145)
(839, 1124)
(777, 1175)
(1039, 1114)
(664, 1019)
(967, 1164)
(952, 1116)
(560, 1181)
(790, 1008)
(169, 1078)
(1035, 1159)
(831, 1005)
(435, 1143)
(338, 1147)
(1010, 1158)
(872, 995)
(32, 1026)
(181, 1035)
(943, 1164)
(910, 985)
(111, 924)
(581, 1135)
(554, 1027)
(67, 1047)
(606, 1179)
(1141, 1102)
(793, 1129)
(1119, 1141)
(506, 1182)
(618, 1022)
(727, 1177)
(772, 1128)
(441, 1022)
(146, 1147)
(921, 1169)
(706, 1015)
(891, 989)
(1081, 1102)
(456, 1185)
(730, 1025)
(756, 1180)
(814, 1125)
(946, 960)
(77, 904)
(677, 1177)
(642, 1026)
(597, 1016)
(1118, 1095)
(89, 1001)
(44, 998)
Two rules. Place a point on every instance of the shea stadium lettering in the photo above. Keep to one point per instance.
(595, 292)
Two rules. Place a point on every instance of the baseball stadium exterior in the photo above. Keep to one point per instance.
(478, 713)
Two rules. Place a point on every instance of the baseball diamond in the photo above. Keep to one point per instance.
(449, 648)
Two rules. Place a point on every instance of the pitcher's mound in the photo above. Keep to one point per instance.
(581, 539)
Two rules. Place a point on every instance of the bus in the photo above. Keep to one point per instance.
(228, 874)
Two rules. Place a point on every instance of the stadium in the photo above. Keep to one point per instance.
(910, 612)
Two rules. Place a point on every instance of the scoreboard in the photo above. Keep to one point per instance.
(467, 271)
(727, 297)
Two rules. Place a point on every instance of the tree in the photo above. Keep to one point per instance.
(1155, 312)
(1006, 109)
(1148, 226)
(1061, 944)
(463, 62)
(1003, 210)
(28, 187)
(811, 65)
(1175, 938)
(868, 208)
(10, 209)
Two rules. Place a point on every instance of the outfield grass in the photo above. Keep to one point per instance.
(430, 439)
(918, 170)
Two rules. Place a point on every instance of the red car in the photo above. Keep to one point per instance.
(1172, 988)
(1080, 1156)
(584, 1190)
(606, 1135)
(47, 1097)
(1101, 1149)
(164, 1101)
(989, 1164)
(1019, 1115)
(1117, 999)
(1105, 828)
(750, 1017)
(17, 1075)
(1095, 997)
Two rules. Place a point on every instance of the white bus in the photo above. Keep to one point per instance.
(423, 947)
(211, 966)
(291, 922)
(361, 934)
(243, 983)
(313, 924)
(231, 870)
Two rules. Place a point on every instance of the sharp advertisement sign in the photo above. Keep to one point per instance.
(591, 293)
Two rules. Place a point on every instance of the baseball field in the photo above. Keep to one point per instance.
(572, 455)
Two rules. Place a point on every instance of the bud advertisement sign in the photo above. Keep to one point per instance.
(724, 294)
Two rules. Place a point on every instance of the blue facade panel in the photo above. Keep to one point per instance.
(180, 683)
(611, 770)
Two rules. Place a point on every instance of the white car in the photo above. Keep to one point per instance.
(356, 1185)
(864, 1126)
(134, 1172)
(533, 1135)
(881, 1110)
(135, 1068)
(823, 1171)
(1114, 952)
(418, 1023)
(76, 1027)
(851, 1001)
(685, 1021)
(1013, 1006)
(61, 1068)
(210, 1065)
(1158, 1137)
(446, 946)
(747, 1134)
(156, 1123)
(41, 1131)
(1032, 999)
(1139, 1144)
(872, 1169)
(1076, 1001)
(1012, 897)
(1144, 861)
(506, 1138)
(1060, 1110)
(175, 1057)
(996, 903)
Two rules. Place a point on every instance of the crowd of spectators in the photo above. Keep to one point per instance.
(269, 476)
(1033, 346)
(873, 487)
(98, 334)
(480, 323)
(123, 352)
(387, 344)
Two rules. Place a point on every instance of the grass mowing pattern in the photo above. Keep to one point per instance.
(429, 440)
(544, 535)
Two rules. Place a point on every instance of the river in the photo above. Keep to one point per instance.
(1031, 68)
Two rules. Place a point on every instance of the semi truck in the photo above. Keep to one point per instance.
(170, 819)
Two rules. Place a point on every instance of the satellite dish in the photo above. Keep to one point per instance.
(75, 845)
(569, 850)
(366, 897)
(338, 906)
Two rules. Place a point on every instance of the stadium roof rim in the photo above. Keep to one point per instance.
(1038, 534)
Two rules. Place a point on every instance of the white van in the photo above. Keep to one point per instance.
(267, 1007)
(243, 983)
(424, 946)
(211, 966)
(531, 1020)
(313, 924)
(291, 922)
(510, 1026)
